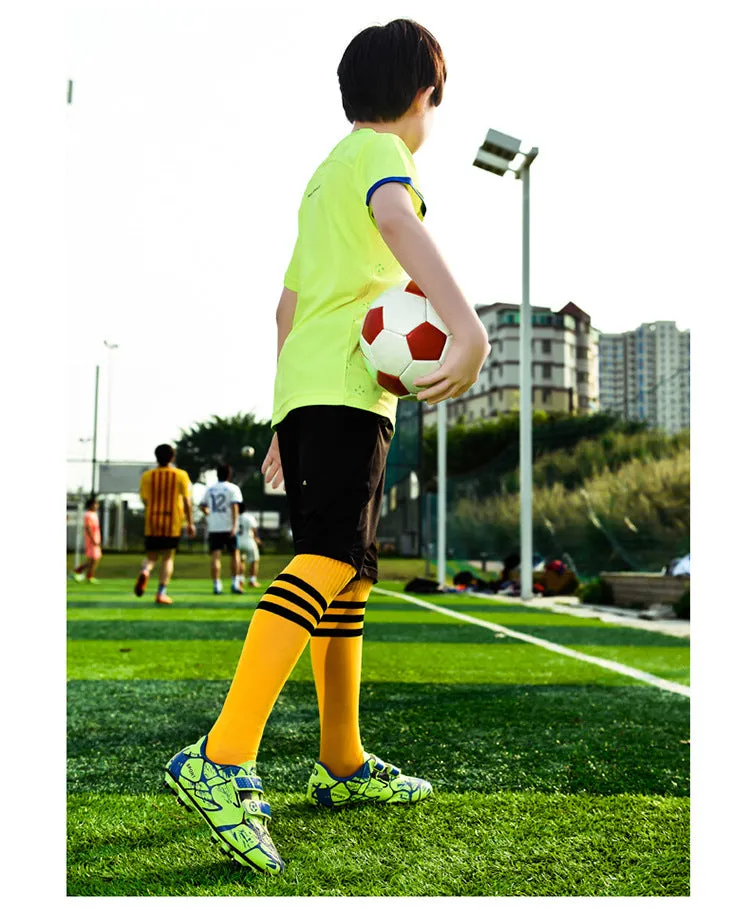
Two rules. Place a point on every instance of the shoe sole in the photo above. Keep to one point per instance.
(369, 802)
(186, 801)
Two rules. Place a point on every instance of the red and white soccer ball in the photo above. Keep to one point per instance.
(403, 339)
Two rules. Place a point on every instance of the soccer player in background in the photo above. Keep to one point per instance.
(359, 228)
(221, 505)
(165, 491)
(247, 546)
(92, 543)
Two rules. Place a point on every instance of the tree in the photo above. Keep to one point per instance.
(220, 440)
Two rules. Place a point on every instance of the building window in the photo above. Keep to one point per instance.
(582, 377)
(583, 353)
(499, 394)
(546, 347)
(546, 371)
(546, 395)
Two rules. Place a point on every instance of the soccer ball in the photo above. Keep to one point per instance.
(248, 451)
(403, 339)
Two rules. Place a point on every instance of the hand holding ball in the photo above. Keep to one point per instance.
(403, 339)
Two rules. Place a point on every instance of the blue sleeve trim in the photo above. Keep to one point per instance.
(404, 180)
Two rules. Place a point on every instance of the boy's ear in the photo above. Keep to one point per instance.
(425, 95)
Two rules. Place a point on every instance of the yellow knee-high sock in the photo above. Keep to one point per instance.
(336, 653)
(284, 619)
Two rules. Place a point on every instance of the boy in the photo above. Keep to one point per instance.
(247, 546)
(359, 228)
(165, 491)
(92, 544)
(221, 503)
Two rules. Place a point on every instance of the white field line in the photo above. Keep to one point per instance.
(549, 645)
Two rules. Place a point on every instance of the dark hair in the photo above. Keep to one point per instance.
(223, 472)
(91, 501)
(385, 66)
(164, 454)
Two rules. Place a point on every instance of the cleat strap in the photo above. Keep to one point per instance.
(246, 782)
(257, 807)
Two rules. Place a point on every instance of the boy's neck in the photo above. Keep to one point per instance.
(401, 128)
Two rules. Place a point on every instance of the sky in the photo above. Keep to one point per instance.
(195, 127)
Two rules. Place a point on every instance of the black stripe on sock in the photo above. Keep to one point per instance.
(293, 599)
(304, 586)
(342, 617)
(286, 614)
(347, 604)
(338, 633)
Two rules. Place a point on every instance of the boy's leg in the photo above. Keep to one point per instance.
(165, 575)
(216, 569)
(152, 557)
(336, 654)
(235, 558)
(281, 626)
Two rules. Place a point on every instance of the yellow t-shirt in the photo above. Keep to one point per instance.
(162, 490)
(339, 266)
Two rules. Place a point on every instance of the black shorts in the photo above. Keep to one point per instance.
(156, 544)
(222, 540)
(333, 458)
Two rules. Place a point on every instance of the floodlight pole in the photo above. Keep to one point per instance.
(110, 346)
(526, 456)
(497, 155)
(442, 433)
(96, 426)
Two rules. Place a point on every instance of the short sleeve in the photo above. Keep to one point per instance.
(145, 487)
(291, 277)
(385, 159)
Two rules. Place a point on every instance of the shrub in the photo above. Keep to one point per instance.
(682, 607)
(595, 592)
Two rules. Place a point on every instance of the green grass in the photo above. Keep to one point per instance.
(469, 844)
(552, 776)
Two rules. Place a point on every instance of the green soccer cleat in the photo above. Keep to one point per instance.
(78, 576)
(375, 782)
(228, 797)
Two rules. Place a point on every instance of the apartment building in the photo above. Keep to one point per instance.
(645, 375)
(565, 365)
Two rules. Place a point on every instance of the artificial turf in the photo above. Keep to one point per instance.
(552, 776)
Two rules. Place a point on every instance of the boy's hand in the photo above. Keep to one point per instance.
(271, 467)
(459, 372)
(191, 531)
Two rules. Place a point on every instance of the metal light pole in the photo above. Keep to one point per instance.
(107, 505)
(497, 155)
(96, 426)
(110, 346)
(442, 434)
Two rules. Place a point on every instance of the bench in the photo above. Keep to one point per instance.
(637, 588)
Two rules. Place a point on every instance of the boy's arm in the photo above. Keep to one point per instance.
(235, 518)
(271, 467)
(285, 317)
(411, 244)
(187, 502)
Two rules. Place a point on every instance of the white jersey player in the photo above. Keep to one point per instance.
(247, 544)
(221, 505)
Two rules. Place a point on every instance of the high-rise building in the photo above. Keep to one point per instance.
(645, 375)
(564, 371)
